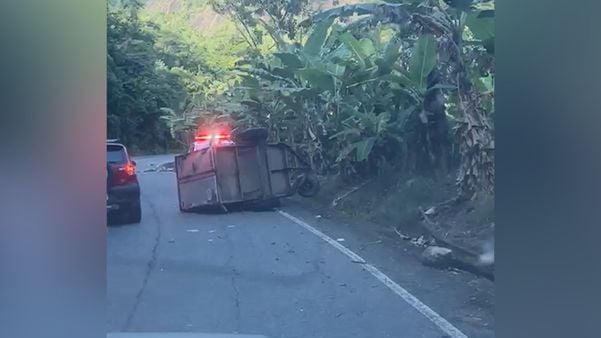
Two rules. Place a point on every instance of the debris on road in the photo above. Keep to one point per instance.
(346, 194)
(430, 211)
(379, 241)
(364, 246)
(488, 256)
(437, 256)
(403, 236)
(420, 241)
(151, 167)
(165, 166)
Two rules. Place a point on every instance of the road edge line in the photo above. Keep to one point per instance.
(425, 310)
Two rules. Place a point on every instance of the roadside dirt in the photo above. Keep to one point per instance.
(414, 209)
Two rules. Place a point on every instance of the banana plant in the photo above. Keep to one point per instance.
(460, 27)
(347, 92)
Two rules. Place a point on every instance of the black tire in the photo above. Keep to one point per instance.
(134, 213)
(308, 186)
(251, 136)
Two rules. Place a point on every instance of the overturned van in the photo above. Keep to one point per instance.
(247, 169)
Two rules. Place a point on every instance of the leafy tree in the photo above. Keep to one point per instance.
(407, 83)
(375, 93)
(138, 84)
(278, 19)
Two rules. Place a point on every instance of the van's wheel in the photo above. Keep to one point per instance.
(250, 136)
(308, 185)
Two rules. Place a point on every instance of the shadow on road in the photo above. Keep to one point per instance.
(116, 220)
(263, 206)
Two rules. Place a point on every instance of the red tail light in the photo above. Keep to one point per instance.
(123, 174)
(212, 137)
(130, 169)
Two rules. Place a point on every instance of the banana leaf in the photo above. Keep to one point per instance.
(364, 148)
(352, 131)
(354, 46)
(317, 78)
(482, 26)
(423, 60)
(317, 38)
(290, 60)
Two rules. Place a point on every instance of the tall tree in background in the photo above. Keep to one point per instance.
(138, 84)
(279, 19)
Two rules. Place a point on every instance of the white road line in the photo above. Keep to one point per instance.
(434, 317)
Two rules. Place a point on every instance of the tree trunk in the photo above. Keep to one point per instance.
(476, 144)
(438, 126)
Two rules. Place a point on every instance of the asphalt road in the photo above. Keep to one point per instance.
(265, 274)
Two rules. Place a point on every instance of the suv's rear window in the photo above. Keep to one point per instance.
(115, 154)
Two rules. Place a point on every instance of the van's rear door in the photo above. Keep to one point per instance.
(196, 180)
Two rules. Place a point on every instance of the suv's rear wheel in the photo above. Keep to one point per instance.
(133, 214)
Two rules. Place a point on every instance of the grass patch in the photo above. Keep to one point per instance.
(396, 202)
(482, 210)
(401, 206)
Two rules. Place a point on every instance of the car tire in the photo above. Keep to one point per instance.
(134, 213)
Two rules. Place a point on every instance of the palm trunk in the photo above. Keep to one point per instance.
(476, 144)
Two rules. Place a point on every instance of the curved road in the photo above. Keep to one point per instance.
(269, 274)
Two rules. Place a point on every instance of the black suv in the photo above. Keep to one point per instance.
(122, 187)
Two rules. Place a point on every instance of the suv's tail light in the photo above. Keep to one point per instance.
(123, 174)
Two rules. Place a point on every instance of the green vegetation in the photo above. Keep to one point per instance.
(163, 73)
(357, 88)
(138, 84)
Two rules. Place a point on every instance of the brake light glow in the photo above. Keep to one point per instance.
(130, 169)
(212, 137)
(123, 174)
